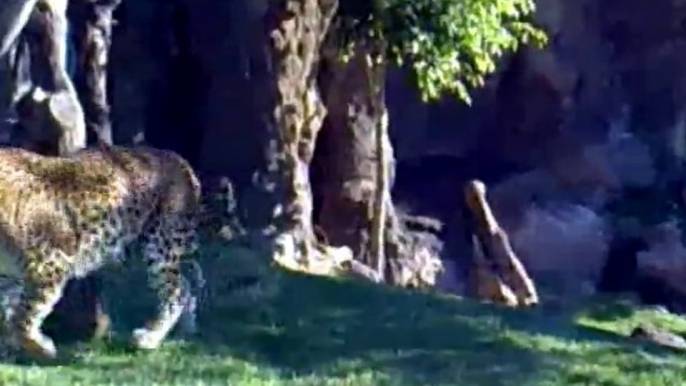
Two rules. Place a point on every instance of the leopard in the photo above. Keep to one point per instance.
(63, 218)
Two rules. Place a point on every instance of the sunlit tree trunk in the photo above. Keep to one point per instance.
(356, 206)
(382, 192)
(296, 30)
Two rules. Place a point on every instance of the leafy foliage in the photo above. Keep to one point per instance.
(450, 45)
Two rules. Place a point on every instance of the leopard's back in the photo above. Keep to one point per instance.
(85, 209)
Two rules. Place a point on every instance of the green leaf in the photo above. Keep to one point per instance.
(451, 44)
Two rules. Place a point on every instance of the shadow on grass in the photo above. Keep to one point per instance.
(618, 360)
(607, 309)
(324, 325)
(332, 328)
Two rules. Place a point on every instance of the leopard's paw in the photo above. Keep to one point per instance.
(39, 346)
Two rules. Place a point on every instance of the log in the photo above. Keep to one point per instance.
(496, 246)
(484, 283)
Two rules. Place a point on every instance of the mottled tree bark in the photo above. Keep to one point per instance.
(179, 95)
(296, 29)
(355, 100)
(91, 21)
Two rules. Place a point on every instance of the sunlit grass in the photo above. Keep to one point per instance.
(315, 331)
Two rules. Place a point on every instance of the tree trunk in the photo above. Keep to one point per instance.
(178, 96)
(355, 100)
(296, 29)
(92, 25)
(382, 191)
(14, 14)
(50, 114)
(377, 81)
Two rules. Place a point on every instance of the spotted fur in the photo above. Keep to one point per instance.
(62, 218)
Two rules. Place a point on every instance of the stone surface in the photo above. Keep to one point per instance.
(651, 334)
(542, 104)
(662, 266)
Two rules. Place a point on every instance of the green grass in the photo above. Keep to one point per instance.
(320, 332)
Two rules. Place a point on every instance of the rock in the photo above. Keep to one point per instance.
(661, 268)
(647, 333)
(419, 263)
(659, 309)
(620, 271)
(556, 216)
(419, 267)
(422, 224)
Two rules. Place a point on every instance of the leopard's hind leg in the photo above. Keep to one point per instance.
(163, 251)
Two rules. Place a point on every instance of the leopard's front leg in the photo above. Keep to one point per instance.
(43, 287)
(163, 260)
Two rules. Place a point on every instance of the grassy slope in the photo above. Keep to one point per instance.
(326, 332)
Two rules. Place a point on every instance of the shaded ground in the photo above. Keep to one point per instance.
(314, 331)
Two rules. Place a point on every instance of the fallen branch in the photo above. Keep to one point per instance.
(496, 247)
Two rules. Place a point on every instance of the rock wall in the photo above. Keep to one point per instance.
(599, 110)
(541, 106)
